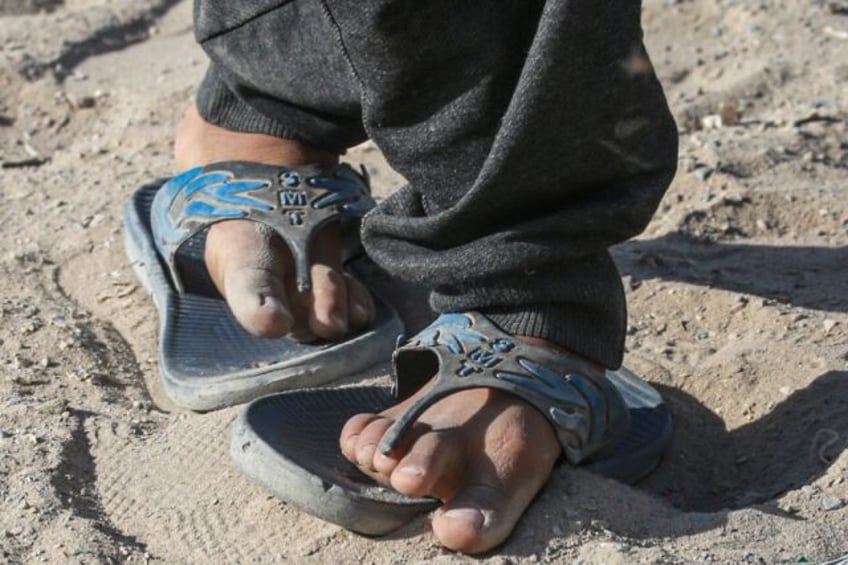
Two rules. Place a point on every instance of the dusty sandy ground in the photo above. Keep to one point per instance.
(738, 296)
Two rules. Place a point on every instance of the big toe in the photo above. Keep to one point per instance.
(258, 301)
(246, 263)
(518, 455)
(482, 516)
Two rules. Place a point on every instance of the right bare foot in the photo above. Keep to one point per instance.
(252, 268)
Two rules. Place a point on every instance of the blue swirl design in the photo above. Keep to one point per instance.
(450, 330)
(549, 383)
(347, 189)
(574, 398)
(217, 186)
(213, 195)
(173, 186)
(166, 234)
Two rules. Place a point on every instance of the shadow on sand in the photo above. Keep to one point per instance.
(810, 277)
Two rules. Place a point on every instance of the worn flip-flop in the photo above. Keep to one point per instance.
(612, 423)
(206, 359)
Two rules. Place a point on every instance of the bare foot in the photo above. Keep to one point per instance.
(252, 268)
(484, 453)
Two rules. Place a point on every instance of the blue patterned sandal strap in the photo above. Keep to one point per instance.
(585, 409)
(294, 201)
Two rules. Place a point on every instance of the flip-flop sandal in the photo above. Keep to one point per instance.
(288, 443)
(206, 359)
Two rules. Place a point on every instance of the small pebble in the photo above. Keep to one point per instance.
(703, 172)
(54, 406)
(713, 121)
(729, 114)
(84, 102)
(831, 502)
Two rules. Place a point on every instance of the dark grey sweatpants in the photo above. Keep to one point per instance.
(534, 135)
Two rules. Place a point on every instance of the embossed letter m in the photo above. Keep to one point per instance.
(293, 198)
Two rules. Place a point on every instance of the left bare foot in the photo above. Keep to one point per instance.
(484, 453)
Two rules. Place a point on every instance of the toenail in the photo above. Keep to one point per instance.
(469, 516)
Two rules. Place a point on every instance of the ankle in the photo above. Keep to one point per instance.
(200, 143)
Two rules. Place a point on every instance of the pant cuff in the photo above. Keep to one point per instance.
(217, 104)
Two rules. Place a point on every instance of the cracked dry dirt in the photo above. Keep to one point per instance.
(738, 296)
